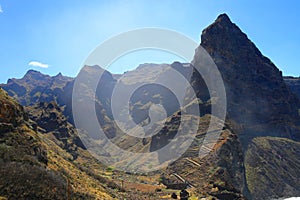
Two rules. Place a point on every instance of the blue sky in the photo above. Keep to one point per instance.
(57, 36)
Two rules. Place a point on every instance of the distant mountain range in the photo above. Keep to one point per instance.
(256, 157)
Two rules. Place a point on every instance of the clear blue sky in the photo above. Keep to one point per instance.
(61, 34)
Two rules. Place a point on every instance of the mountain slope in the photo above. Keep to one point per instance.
(220, 174)
(34, 167)
(23, 157)
(272, 167)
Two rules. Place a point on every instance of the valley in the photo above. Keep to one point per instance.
(44, 153)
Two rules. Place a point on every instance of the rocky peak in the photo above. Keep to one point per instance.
(33, 74)
(225, 36)
(31, 71)
(59, 74)
(223, 17)
(256, 93)
(222, 21)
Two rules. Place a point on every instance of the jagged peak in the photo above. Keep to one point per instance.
(31, 71)
(223, 18)
(34, 74)
(223, 24)
(226, 35)
(59, 75)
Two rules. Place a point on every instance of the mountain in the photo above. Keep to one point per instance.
(50, 120)
(256, 156)
(254, 85)
(294, 84)
(261, 109)
(39, 165)
(36, 87)
(23, 157)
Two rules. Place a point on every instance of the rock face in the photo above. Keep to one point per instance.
(259, 102)
(50, 120)
(258, 99)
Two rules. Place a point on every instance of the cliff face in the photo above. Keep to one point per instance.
(50, 120)
(259, 101)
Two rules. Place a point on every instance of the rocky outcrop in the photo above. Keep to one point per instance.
(50, 120)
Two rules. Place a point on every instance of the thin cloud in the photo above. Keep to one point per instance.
(1, 11)
(38, 64)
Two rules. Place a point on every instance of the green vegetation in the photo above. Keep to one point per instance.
(109, 169)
